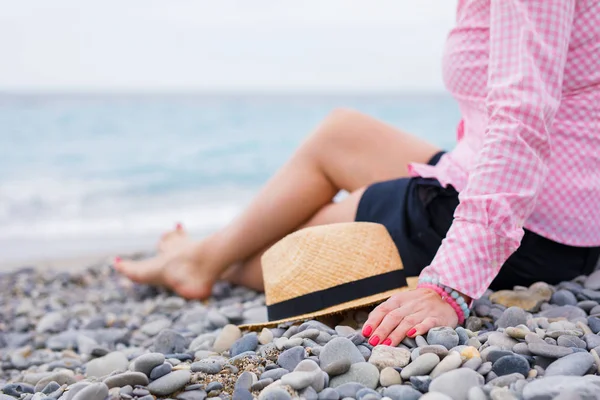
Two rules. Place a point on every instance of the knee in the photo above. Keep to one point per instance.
(339, 125)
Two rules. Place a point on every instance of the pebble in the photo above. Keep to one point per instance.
(208, 366)
(160, 370)
(329, 394)
(349, 389)
(593, 281)
(336, 349)
(389, 376)
(512, 317)
(248, 342)
(444, 336)
(435, 396)
(126, 378)
(421, 366)
(592, 341)
(568, 312)
(228, 335)
(170, 383)
(563, 297)
(266, 336)
(363, 372)
(587, 387)
(548, 350)
(456, 383)
(274, 374)
(387, 356)
(529, 300)
(509, 364)
(93, 391)
(401, 392)
(168, 342)
(290, 358)
(147, 362)
(421, 383)
(275, 393)
(115, 361)
(450, 362)
(436, 349)
(501, 340)
(576, 364)
(337, 367)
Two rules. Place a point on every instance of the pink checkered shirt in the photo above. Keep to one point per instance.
(526, 75)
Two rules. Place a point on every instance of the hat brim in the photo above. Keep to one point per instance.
(338, 308)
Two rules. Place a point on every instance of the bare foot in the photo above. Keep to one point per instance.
(182, 265)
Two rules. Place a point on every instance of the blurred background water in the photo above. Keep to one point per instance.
(97, 173)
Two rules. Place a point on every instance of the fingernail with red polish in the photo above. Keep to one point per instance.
(367, 330)
(411, 332)
(374, 341)
(387, 342)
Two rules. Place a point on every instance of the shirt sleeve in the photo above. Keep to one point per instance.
(528, 50)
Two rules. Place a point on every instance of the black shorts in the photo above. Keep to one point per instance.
(418, 212)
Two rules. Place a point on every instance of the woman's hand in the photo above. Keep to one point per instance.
(409, 313)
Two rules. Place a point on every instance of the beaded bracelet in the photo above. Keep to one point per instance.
(449, 295)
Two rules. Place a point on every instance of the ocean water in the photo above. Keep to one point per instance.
(99, 173)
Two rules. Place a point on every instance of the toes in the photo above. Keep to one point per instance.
(143, 271)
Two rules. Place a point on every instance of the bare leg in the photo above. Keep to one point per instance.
(348, 151)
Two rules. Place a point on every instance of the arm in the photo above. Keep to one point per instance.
(528, 50)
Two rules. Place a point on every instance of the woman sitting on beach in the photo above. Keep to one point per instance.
(526, 75)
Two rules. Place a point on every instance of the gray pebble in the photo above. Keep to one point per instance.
(192, 395)
(168, 342)
(421, 383)
(274, 394)
(170, 383)
(401, 392)
(444, 336)
(362, 372)
(329, 394)
(147, 362)
(208, 366)
(275, 374)
(125, 379)
(512, 316)
(421, 366)
(261, 384)
(509, 364)
(339, 349)
(456, 383)
(349, 389)
(576, 364)
(93, 391)
(290, 358)
(547, 350)
(570, 341)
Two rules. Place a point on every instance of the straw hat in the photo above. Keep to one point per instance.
(329, 269)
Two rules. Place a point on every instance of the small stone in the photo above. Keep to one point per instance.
(436, 349)
(242, 394)
(168, 342)
(154, 327)
(576, 364)
(261, 384)
(245, 380)
(452, 361)
(387, 356)
(476, 393)
(568, 312)
(570, 341)
(401, 392)
(147, 362)
(290, 358)
(274, 374)
(470, 352)
(208, 366)
(473, 324)
(161, 370)
(510, 364)
(549, 387)
(423, 365)
(456, 383)
(563, 297)
(421, 383)
(266, 336)
(170, 383)
(93, 391)
(60, 377)
(363, 372)
(228, 335)
(463, 336)
(53, 322)
(389, 376)
(501, 340)
(593, 281)
(275, 393)
(444, 336)
(126, 378)
(529, 300)
(435, 396)
(329, 394)
(349, 389)
(592, 341)
(547, 350)
(246, 343)
(339, 349)
(474, 363)
(337, 367)
(512, 316)
(115, 361)
(516, 333)
(521, 348)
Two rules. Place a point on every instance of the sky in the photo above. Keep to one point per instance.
(222, 45)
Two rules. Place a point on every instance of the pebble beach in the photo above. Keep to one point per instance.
(91, 334)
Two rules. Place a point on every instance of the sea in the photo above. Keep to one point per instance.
(99, 173)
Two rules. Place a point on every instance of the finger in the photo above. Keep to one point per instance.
(389, 323)
(379, 312)
(424, 327)
(400, 332)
